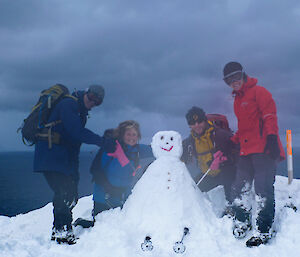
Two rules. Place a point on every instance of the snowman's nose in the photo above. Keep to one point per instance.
(167, 143)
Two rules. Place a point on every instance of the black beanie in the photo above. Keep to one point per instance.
(232, 67)
(195, 114)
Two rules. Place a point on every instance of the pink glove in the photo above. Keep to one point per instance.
(218, 158)
(120, 155)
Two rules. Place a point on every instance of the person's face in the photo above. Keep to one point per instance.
(235, 81)
(90, 101)
(236, 85)
(198, 127)
(131, 136)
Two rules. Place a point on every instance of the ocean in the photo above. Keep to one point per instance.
(22, 190)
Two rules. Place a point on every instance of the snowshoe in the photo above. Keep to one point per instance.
(240, 229)
(262, 238)
(147, 245)
(63, 236)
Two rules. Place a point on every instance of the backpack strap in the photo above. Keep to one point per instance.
(46, 133)
(71, 96)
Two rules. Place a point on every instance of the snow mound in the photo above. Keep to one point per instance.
(113, 236)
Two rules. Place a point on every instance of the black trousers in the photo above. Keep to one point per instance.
(65, 197)
(225, 178)
(261, 169)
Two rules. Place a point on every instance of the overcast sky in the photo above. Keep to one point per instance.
(155, 59)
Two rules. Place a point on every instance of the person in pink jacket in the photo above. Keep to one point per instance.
(260, 149)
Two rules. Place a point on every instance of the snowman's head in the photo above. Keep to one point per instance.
(167, 143)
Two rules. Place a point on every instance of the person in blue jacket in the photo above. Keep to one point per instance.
(59, 162)
(114, 175)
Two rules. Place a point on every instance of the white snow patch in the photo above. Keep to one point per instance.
(163, 202)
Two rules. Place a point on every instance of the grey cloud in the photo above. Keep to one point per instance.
(157, 56)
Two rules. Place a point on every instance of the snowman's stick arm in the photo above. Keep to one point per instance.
(205, 174)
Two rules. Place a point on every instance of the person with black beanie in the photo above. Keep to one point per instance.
(205, 142)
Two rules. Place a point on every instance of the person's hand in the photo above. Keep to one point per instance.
(109, 145)
(218, 159)
(120, 155)
(272, 147)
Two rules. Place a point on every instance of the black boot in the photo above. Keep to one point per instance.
(63, 236)
(84, 223)
(258, 240)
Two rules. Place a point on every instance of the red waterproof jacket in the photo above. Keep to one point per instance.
(255, 110)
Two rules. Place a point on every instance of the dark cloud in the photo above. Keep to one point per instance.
(157, 57)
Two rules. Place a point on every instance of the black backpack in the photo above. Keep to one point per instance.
(38, 117)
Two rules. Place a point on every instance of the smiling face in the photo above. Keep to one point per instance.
(131, 136)
(167, 143)
(236, 85)
(199, 127)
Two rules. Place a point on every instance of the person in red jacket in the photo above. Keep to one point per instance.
(260, 149)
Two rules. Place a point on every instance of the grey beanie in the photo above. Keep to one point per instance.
(97, 90)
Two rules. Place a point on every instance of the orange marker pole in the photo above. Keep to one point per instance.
(289, 155)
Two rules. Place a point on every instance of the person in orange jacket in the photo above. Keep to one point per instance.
(260, 149)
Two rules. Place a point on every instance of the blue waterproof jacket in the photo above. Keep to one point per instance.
(120, 177)
(64, 157)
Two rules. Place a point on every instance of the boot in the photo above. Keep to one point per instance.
(84, 223)
(240, 229)
(64, 235)
(260, 239)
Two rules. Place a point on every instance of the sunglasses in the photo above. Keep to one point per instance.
(93, 98)
(193, 122)
(233, 76)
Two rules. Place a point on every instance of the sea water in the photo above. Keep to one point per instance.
(22, 190)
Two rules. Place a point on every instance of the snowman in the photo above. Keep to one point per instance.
(165, 204)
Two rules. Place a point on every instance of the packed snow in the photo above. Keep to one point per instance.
(163, 202)
(171, 185)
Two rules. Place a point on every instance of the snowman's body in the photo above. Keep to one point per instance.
(166, 200)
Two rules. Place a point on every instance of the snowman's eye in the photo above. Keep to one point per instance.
(171, 138)
(162, 137)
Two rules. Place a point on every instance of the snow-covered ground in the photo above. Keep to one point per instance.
(29, 234)
(163, 202)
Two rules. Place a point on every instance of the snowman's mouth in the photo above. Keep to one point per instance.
(168, 150)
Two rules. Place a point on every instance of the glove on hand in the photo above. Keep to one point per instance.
(120, 155)
(108, 144)
(272, 147)
(218, 159)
